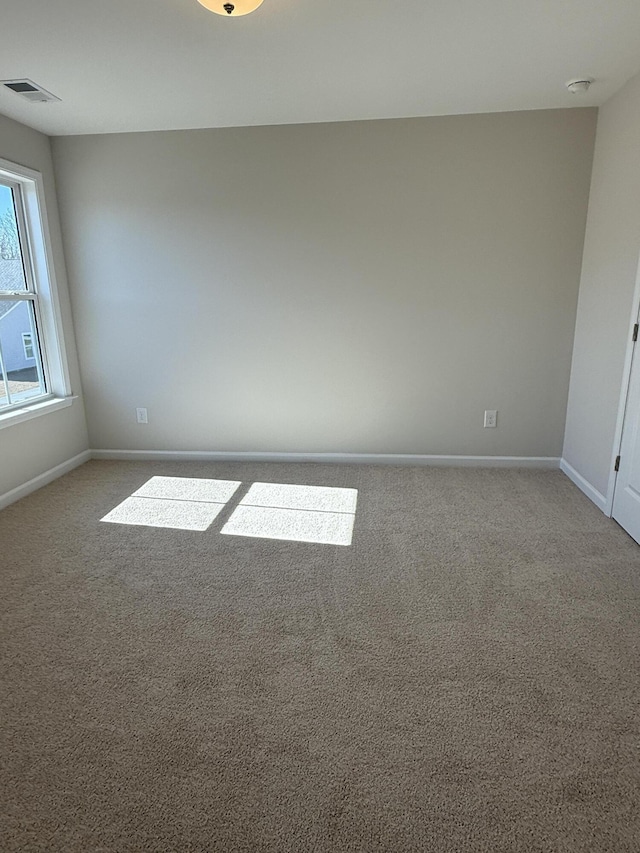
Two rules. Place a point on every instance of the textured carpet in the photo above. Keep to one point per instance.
(465, 676)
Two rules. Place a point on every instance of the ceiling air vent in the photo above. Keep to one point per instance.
(29, 90)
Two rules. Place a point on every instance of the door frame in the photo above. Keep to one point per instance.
(624, 393)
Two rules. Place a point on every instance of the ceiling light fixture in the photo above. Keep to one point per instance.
(579, 87)
(231, 8)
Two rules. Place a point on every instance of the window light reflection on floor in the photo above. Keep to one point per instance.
(318, 514)
(181, 503)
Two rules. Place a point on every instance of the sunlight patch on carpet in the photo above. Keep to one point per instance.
(317, 514)
(181, 503)
(188, 489)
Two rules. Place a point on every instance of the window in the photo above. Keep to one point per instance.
(33, 370)
(27, 343)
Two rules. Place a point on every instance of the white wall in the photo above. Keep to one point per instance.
(30, 448)
(611, 253)
(353, 287)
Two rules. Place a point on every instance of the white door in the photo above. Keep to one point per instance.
(626, 499)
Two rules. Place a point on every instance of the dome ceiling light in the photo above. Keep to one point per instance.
(579, 87)
(231, 8)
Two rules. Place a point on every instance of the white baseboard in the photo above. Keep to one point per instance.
(328, 458)
(44, 479)
(584, 485)
(548, 462)
(331, 458)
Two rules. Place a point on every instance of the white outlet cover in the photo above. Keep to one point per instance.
(490, 418)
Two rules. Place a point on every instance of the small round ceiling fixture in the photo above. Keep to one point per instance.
(231, 8)
(579, 87)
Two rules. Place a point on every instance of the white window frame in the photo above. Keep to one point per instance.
(28, 345)
(35, 243)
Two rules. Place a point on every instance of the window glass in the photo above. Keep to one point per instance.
(12, 276)
(20, 364)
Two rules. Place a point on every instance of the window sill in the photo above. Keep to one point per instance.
(25, 413)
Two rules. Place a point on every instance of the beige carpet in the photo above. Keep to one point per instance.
(465, 676)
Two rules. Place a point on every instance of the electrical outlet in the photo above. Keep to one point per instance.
(490, 418)
(141, 416)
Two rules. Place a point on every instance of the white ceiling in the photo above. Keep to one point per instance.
(123, 65)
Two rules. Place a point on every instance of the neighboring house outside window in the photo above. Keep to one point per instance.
(33, 366)
(14, 320)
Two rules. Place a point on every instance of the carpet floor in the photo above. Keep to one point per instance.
(464, 676)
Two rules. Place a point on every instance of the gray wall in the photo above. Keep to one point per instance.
(30, 448)
(355, 287)
(612, 249)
